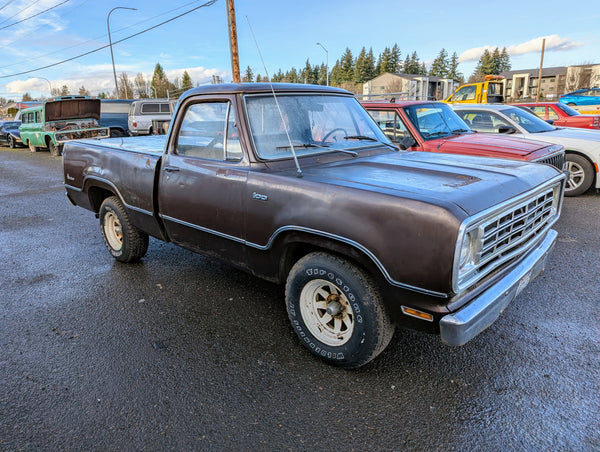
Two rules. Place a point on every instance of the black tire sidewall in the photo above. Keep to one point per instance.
(588, 171)
(109, 207)
(359, 349)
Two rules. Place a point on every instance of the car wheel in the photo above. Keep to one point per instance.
(581, 175)
(55, 150)
(116, 133)
(571, 103)
(337, 310)
(11, 142)
(32, 148)
(124, 241)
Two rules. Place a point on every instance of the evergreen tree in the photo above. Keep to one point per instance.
(335, 78)
(186, 81)
(322, 77)
(440, 66)
(102, 95)
(83, 91)
(278, 77)
(347, 66)
(160, 82)
(292, 76)
(26, 97)
(395, 61)
(362, 71)
(308, 74)
(504, 64)
(422, 69)
(453, 69)
(383, 63)
(485, 66)
(64, 90)
(248, 75)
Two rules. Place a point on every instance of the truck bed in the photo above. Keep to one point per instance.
(151, 144)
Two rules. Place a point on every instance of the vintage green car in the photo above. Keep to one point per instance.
(59, 120)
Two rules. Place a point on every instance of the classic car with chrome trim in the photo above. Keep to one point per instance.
(298, 185)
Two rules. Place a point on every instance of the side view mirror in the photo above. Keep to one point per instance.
(506, 129)
(550, 121)
(407, 142)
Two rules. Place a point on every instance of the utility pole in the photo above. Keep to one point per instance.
(539, 90)
(233, 46)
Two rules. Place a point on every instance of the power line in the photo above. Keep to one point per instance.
(209, 3)
(35, 15)
(61, 50)
(6, 4)
(19, 12)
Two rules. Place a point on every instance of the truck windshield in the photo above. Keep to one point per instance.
(435, 120)
(527, 120)
(315, 124)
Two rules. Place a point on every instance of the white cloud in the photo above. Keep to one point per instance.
(553, 42)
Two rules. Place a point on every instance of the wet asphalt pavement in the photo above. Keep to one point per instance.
(180, 352)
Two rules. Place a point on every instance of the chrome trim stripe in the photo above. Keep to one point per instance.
(128, 206)
(311, 231)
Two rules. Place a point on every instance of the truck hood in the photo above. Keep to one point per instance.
(490, 145)
(471, 183)
(60, 110)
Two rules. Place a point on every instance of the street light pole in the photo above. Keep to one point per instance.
(49, 84)
(110, 44)
(327, 59)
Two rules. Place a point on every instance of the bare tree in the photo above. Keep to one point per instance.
(141, 86)
(125, 87)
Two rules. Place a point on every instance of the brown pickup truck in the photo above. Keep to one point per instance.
(298, 185)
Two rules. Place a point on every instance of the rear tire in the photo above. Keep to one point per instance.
(124, 241)
(55, 150)
(581, 175)
(116, 133)
(336, 310)
(571, 104)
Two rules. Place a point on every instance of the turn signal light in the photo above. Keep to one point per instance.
(416, 313)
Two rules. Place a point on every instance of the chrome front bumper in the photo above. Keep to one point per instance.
(463, 325)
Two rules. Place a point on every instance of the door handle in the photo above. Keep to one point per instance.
(171, 169)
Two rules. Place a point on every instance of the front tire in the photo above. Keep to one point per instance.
(11, 142)
(124, 241)
(581, 175)
(337, 310)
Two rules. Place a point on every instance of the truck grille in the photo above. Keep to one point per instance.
(556, 160)
(505, 235)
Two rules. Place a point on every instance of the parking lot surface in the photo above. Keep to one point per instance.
(181, 352)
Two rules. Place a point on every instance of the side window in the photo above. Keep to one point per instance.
(150, 108)
(552, 114)
(164, 108)
(38, 116)
(390, 123)
(465, 93)
(209, 131)
(540, 111)
(483, 121)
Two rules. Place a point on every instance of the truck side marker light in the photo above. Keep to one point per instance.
(418, 314)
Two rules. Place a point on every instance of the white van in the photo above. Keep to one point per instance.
(142, 112)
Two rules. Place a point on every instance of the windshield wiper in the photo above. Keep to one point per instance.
(322, 146)
(364, 137)
(460, 130)
(439, 134)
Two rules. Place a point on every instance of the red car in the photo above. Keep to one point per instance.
(563, 115)
(434, 127)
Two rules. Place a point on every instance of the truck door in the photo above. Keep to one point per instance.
(202, 178)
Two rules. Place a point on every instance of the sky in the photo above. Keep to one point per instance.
(37, 34)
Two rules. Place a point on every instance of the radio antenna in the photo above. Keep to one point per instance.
(285, 126)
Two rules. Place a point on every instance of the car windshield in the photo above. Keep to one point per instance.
(315, 124)
(527, 120)
(568, 110)
(11, 125)
(435, 120)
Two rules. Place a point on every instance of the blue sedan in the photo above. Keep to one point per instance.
(582, 97)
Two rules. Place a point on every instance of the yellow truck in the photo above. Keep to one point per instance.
(491, 91)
